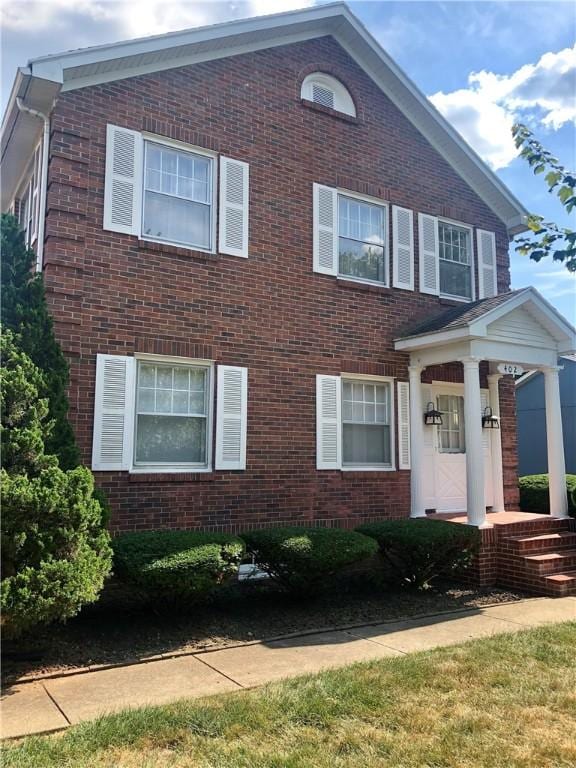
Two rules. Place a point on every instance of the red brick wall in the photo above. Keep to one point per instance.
(271, 312)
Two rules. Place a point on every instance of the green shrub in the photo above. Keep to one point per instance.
(55, 551)
(176, 565)
(534, 494)
(303, 559)
(421, 550)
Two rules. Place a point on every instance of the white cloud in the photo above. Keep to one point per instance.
(135, 18)
(485, 111)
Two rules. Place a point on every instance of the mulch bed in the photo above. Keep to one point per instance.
(119, 629)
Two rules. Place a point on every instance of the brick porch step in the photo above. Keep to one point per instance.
(544, 542)
(561, 584)
(549, 563)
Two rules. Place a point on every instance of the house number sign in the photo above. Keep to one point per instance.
(510, 368)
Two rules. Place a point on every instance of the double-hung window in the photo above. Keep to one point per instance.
(366, 424)
(455, 255)
(361, 240)
(172, 415)
(178, 200)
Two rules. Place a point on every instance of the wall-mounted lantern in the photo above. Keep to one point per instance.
(488, 420)
(432, 416)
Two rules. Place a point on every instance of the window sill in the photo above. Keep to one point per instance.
(453, 301)
(352, 472)
(176, 250)
(329, 111)
(360, 285)
(200, 476)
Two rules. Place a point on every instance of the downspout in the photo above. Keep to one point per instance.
(43, 180)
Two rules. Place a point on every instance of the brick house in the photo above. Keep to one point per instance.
(267, 255)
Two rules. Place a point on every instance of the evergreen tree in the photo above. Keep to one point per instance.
(55, 548)
(25, 312)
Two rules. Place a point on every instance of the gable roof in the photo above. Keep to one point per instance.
(47, 75)
(472, 321)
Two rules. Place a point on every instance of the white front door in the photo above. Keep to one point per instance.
(446, 468)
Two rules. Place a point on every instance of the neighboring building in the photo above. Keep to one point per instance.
(531, 419)
(266, 252)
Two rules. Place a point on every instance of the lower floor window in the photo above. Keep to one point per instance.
(366, 417)
(172, 413)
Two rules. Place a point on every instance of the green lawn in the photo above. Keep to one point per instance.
(507, 701)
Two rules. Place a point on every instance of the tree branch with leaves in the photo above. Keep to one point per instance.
(547, 238)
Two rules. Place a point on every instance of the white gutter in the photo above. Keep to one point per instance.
(43, 180)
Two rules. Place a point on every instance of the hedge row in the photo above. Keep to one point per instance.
(187, 565)
(534, 495)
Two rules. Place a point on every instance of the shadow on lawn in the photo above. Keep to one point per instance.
(121, 629)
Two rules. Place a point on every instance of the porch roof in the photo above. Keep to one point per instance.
(522, 318)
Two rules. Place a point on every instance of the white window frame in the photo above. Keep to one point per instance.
(29, 187)
(164, 468)
(179, 146)
(470, 229)
(371, 201)
(392, 426)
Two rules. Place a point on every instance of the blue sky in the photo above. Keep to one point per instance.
(483, 64)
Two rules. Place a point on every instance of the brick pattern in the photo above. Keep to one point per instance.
(537, 556)
(114, 294)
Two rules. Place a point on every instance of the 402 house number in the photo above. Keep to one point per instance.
(511, 369)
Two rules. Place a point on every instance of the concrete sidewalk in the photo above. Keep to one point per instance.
(54, 704)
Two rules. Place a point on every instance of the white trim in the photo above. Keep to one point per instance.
(470, 228)
(370, 200)
(159, 467)
(149, 138)
(392, 426)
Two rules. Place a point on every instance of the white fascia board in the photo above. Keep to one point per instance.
(183, 61)
(432, 339)
(52, 63)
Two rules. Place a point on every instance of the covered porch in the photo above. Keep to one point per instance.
(509, 333)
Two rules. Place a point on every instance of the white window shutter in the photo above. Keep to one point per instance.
(429, 257)
(402, 248)
(328, 422)
(123, 180)
(234, 206)
(325, 230)
(113, 413)
(231, 417)
(487, 275)
(404, 424)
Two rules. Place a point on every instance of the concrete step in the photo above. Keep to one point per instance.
(561, 584)
(543, 542)
(549, 563)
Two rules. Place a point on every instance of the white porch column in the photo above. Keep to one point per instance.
(496, 445)
(555, 441)
(416, 443)
(475, 501)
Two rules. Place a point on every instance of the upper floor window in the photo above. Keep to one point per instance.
(329, 92)
(361, 239)
(28, 197)
(455, 257)
(178, 206)
(164, 190)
